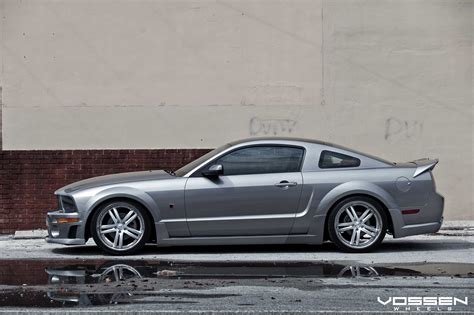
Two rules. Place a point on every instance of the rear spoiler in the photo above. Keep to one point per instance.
(424, 165)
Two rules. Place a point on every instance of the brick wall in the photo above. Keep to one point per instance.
(28, 179)
(33, 272)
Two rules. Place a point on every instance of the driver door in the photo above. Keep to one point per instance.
(257, 194)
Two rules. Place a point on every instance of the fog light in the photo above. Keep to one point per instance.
(54, 232)
(67, 220)
(54, 279)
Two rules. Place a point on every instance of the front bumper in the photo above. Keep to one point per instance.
(64, 228)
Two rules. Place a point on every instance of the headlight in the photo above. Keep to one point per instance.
(67, 204)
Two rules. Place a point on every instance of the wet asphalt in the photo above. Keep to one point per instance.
(40, 277)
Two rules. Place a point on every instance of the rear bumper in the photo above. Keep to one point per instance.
(415, 229)
(64, 228)
(428, 220)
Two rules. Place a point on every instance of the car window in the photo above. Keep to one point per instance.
(189, 167)
(330, 159)
(261, 160)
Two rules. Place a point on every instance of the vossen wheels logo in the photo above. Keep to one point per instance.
(423, 303)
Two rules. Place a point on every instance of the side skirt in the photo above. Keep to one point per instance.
(241, 240)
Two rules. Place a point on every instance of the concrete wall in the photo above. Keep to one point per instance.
(392, 78)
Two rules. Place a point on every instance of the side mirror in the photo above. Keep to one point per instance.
(214, 171)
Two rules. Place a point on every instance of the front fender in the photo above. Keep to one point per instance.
(125, 192)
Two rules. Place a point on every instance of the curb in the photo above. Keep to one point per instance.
(30, 234)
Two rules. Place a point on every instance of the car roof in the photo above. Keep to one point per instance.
(279, 139)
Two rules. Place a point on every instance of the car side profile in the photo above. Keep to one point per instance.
(254, 191)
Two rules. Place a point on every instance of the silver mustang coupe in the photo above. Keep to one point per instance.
(254, 191)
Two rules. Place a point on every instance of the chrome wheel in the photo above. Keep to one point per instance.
(120, 226)
(358, 271)
(358, 224)
(119, 272)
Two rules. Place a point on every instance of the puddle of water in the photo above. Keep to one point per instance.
(65, 278)
(19, 298)
(41, 272)
(65, 298)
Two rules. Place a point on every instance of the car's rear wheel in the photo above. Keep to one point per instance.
(357, 224)
(120, 227)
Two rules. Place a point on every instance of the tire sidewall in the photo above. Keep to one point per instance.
(333, 233)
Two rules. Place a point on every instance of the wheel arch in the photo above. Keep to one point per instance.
(384, 207)
(106, 197)
(354, 189)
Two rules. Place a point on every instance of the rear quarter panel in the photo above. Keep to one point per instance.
(324, 188)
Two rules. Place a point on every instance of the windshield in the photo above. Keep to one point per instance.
(189, 167)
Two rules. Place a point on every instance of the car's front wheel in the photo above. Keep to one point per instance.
(120, 227)
(357, 224)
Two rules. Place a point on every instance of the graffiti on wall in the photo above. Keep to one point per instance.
(271, 127)
(402, 129)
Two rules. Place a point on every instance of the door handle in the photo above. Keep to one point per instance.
(285, 184)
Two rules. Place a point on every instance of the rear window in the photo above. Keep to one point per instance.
(330, 159)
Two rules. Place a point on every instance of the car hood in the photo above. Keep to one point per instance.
(113, 179)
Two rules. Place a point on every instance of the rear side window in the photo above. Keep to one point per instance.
(262, 160)
(330, 159)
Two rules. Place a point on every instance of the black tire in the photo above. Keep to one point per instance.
(343, 240)
(140, 224)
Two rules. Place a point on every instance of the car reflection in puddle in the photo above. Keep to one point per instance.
(84, 274)
(126, 282)
(112, 272)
